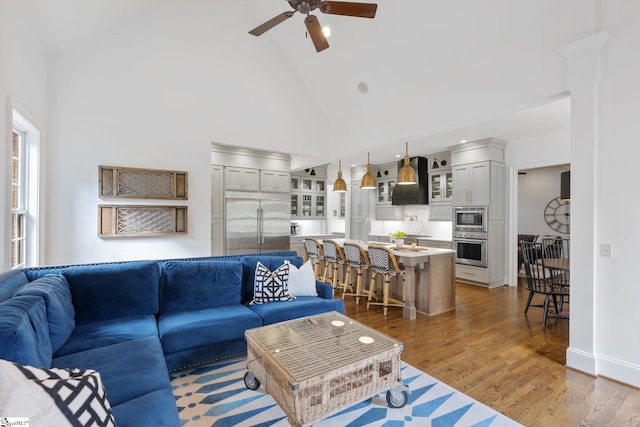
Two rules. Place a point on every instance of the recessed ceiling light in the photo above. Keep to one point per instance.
(326, 30)
(462, 141)
(362, 87)
(398, 155)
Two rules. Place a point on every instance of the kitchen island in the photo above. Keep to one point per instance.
(430, 279)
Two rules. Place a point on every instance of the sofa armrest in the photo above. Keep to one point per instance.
(324, 290)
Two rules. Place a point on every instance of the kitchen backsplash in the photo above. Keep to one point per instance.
(418, 224)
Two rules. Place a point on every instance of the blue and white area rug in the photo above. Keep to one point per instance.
(215, 395)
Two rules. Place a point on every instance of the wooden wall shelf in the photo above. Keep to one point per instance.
(141, 220)
(134, 183)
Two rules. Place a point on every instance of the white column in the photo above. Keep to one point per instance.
(583, 77)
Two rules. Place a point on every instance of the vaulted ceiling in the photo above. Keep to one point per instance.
(436, 71)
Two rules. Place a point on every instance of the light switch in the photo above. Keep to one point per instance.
(606, 250)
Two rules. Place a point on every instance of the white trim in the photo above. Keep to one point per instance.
(581, 360)
(31, 182)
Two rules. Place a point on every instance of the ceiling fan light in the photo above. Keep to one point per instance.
(407, 175)
(340, 186)
(368, 180)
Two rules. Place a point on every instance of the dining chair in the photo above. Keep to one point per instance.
(334, 262)
(315, 253)
(357, 259)
(385, 264)
(555, 252)
(539, 282)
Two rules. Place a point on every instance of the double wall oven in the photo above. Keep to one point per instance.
(470, 235)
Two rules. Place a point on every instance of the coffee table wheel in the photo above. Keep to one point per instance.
(397, 397)
(251, 381)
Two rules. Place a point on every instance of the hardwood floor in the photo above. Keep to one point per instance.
(491, 351)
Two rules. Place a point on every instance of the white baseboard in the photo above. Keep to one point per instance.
(582, 361)
(614, 369)
(619, 371)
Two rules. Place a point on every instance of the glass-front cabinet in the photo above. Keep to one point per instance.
(308, 197)
(385, 190)
(440, 186)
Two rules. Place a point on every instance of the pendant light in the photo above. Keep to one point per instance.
(339, 186)
(368, 180)
(406, 175)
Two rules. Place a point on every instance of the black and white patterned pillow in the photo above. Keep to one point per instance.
(270, 286)
(74, 397)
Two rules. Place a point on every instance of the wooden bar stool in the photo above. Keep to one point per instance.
(357, 259)
(315, 253)
(384, 263)
(334, 261)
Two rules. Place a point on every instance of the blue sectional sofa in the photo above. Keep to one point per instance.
(133, 322)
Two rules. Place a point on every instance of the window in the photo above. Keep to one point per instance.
(25, 143)
(18, 211)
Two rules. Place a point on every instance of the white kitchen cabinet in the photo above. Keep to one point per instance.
(308, 197)
(217, 191)
(440, 186)
(217, 210)
(471, 184)
(274, 181)
(242, 179)
(385, 191)
(361, 201)
(389, 212)
(440, 212)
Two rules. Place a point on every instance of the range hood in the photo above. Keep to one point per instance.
(416, 194)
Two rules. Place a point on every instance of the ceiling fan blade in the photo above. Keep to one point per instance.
(316, 34)
(260, 29)
(361, 10)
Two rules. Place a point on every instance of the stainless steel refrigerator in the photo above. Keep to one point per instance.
(256, 222)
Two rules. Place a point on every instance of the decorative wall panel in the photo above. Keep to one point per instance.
(141, 220)
(133, 183)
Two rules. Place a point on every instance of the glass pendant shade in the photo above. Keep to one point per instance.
(368, 180)
(406, 175)
(339, 186)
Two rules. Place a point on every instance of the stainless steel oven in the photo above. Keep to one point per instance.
(470, 218)
(470, 247)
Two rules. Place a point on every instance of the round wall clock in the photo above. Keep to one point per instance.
(557, 215)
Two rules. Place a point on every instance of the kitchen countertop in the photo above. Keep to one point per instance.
(415, 236)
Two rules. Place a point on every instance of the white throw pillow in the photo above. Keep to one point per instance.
(53, 397)
(302, 281)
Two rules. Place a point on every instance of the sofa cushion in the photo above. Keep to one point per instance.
(24, 331)
(111, 291)
(195, 285)
(271, 286)
(54, 396)
(129, 369)
(155, 409)
(275, 312)
(54, 289)
(100, 334)
(249, 270)
(180, 331)
(10, 282)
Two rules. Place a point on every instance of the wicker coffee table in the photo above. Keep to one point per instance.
(318, 365)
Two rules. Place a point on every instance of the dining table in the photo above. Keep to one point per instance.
(429, 275)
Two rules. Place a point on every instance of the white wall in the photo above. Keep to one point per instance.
(535, 189)
(154, 95)
(617, 337)
(23, 84)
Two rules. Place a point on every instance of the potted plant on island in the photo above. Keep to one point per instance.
(398, 238)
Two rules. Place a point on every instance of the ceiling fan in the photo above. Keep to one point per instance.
(361, 10)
